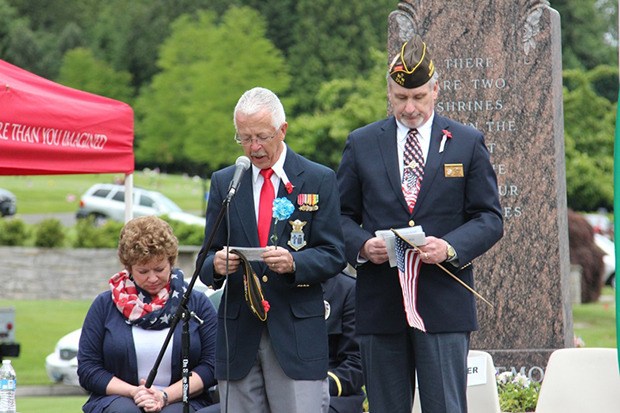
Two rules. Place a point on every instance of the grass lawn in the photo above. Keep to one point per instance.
(595, 323)
(57, 404)
(39, 324)
(61, 193)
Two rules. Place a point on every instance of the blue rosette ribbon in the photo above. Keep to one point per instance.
(282, 210)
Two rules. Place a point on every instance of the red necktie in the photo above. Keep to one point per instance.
(265, 207)
(414, 168)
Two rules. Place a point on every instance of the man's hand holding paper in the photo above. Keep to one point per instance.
(375, 250)
(415, 235)
(219, 262)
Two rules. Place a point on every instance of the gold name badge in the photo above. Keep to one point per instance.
(453, 170)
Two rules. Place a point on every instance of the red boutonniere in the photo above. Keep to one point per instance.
(266, 305)
(287, 184)
(446, 135)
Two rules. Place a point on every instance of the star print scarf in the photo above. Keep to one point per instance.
(142, 310)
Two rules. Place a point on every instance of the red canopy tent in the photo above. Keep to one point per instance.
(47, 129)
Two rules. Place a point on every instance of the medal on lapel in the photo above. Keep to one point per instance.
(298, 238)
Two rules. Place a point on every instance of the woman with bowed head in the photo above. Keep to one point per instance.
(126, 327)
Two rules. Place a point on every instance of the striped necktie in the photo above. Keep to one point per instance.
(413, 171)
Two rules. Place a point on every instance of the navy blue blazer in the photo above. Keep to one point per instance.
(295, 321)
(462, 208)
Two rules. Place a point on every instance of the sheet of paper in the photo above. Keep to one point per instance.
(251, 253)
(415, 235)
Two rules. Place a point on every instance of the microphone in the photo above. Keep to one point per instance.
(241, 165)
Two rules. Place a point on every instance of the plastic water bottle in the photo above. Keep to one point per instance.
(7, 387)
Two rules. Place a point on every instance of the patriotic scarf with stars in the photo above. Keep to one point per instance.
(142, 310)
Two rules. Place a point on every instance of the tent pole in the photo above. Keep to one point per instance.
(128, 197)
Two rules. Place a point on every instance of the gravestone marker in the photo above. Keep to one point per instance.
(499, 67)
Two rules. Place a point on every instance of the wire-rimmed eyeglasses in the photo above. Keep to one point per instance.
(247, 141)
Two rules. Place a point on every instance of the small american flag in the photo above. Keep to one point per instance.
(409, 262)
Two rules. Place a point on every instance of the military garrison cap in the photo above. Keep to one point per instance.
(413, 66)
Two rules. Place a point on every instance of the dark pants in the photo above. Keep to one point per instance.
(127, 405)
(391, 362)
(351, 404)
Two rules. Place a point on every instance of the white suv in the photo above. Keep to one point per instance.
(107, 201)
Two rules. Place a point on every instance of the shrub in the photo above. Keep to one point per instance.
(13, 232)
(90, 236)
(49, 233)
(187, 234)
(108, 234)
(85, 232)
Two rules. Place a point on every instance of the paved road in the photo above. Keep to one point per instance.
(49, 390)
(67, 219)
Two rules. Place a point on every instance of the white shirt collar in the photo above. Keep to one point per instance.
(278, 167)
(424, 130)
(424, 135)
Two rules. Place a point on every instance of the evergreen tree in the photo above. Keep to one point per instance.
(586, 27)
(331, 40)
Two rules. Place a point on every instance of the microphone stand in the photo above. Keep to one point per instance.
(183, 313)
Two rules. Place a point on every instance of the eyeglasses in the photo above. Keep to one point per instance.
(245, 141)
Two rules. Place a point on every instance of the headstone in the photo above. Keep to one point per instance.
(575, 284)
(499, 67)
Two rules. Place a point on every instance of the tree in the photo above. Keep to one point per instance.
(24, 49)
(44, 30)
(589, 121)
(185, 116)
(281, 17)
(345, 104)
(128, 34)
(81, 70)
(586, 28)
(71, 37)
(53, 16)
(332, 39)
(8, 14)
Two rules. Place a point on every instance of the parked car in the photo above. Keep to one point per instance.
(600, 222)
(8, 346)
(609, 259)
(8, 203)
(61, 365)
(107, 201)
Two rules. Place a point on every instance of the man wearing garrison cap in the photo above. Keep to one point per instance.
(416, 169)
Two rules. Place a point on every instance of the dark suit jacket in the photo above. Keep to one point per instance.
(464, 211)
(296, 321)
(344, 351)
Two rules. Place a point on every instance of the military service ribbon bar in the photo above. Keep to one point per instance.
(308, 202)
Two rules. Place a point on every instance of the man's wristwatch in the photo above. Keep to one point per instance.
(450, 252)
(165, 396)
